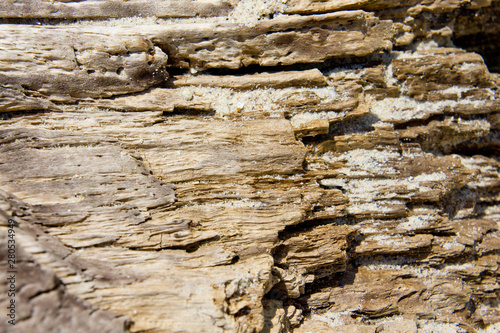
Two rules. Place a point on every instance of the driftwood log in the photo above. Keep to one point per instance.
(250, 166)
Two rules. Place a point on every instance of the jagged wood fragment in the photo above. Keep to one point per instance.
(12, 100)
(395, 245)
(320, 251)
(322, 6)
(409, 7)
(308, 78)
(440, 69)
(284, 40)
(449, 134)
(154, 99)
(65, 64)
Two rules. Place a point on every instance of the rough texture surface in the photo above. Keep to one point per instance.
(92, 9)
(251, 166)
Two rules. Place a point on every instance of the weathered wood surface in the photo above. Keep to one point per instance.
(308, 78)
(352, 187)
(67, 64)
(318, 6)
(42, 300)
(92, 9)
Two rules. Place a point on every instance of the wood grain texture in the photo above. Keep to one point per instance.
(89, 9)
(66, 64)
(313, 166)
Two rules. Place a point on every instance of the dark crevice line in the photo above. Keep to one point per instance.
(488, 146)
(371, 60)
(355, 125)
(308, 225)
(190, 248)
(16, 114)
(182, 111)
(439, 117)
(42, 21)
(487, 45)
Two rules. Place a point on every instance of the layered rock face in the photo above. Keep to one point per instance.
(251, 166)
